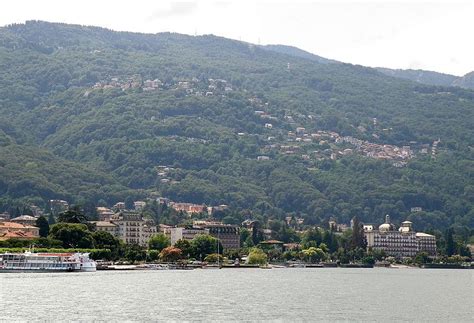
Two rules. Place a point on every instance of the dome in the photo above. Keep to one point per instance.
(387, 226)
(406, 226)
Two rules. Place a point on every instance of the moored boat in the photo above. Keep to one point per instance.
(46, 262)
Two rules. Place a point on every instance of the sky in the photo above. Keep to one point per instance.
(433, 35)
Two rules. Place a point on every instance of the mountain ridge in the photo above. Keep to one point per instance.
(233, 124)
(431, 78)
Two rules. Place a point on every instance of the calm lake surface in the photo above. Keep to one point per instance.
(316, 294)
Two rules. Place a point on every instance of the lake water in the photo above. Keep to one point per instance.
(317, 294)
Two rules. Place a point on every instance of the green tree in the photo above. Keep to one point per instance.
(257, 233)
(158, 242)
(357, 239)
(105, 240)
(312, 237)
(314, 255)
(244, 234)
(73, 215)
(257, 257)
(72, 235)
(248, 242)
(134, 252)
(51, 219)
(213, 257)
(90, 210)
(152, 255)
(185, 247)
(450, 248)
(43, 226)
(422, 258)
(368, 260)
(204, 245)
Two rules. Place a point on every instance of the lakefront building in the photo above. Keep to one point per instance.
(128, 226)
(229, 235)
(185, 233)
(403, 242)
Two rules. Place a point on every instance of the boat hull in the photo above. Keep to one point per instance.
(37, 271)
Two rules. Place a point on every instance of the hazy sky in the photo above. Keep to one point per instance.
(432, 35)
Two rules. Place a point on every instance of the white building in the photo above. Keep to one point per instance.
(403, 242)
(130, 227)
(186, 233)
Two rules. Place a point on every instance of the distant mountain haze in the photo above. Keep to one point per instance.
(420, 76)
(432, 78)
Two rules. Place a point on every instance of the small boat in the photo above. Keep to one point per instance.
(46, 262)
(153, 267)
(298, 265)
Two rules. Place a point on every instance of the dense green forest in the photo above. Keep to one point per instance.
(82, 120)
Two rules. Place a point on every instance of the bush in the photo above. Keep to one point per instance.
(152, 255)
(213, 257)
(257, 257)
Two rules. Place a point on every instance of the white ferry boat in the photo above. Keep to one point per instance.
(46, 262)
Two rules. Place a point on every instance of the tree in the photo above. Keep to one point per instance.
(324, 247)
(204, 245)
(314, 254)
(134, 252)
(312, 237)
(257, 257)
(422, 258)
(450, 247)
(72, 235)
(90, 210)
(248, 242)
(158, 242)
(152, 255)
(244, 234)
(257, 233)
(43, 226)
(368, 260)
(105, 240)
(170, 254)
(213, 258)
(129, 203)
(51, 219)
(73, 215)
(342, 256)
(185, 246)
(357, 239)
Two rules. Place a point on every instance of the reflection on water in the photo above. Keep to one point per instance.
(241, 294)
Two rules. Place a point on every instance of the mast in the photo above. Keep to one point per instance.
(218, 255)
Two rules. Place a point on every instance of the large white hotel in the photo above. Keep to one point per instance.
(403, 242)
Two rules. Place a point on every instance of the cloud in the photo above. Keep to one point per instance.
(174, 9)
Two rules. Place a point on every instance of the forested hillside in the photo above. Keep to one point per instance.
(88, 114)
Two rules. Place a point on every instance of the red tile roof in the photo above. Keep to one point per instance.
(14, 225)
(18, 235)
